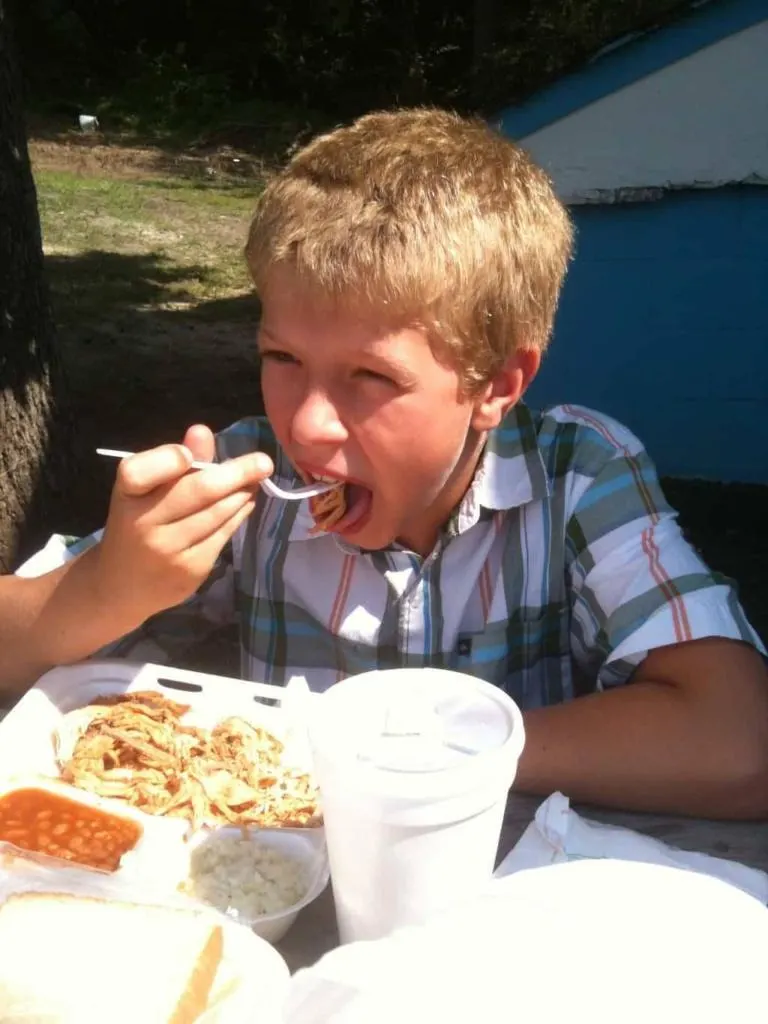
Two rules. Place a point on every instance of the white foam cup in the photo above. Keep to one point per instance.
(414, 766)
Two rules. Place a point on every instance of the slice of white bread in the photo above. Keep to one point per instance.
(68, 959)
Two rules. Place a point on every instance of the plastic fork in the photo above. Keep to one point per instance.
(297, 494)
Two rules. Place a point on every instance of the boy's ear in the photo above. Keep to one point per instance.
(506, 389)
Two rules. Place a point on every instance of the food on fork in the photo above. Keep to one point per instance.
(135, 747)
(329, 508)
(40, 820)
(82, 960)
(342, 508)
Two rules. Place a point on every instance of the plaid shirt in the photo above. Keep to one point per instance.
(560, 570)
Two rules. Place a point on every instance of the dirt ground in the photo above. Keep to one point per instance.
(145, 368)
(121, 156)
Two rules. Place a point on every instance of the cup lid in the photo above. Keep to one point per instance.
(416, 720)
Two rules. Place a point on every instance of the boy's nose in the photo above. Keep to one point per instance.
(316, 421)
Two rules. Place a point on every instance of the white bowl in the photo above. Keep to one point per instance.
(305, 845)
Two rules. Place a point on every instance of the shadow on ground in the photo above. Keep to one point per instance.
(105, 283)
(143, 365)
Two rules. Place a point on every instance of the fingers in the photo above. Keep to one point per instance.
(145, 471)
(195, 529)
(179, 493)
(168, 523)
(210, 549)
(201, 442)
(207, 487)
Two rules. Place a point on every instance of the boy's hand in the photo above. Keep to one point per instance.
(167, 526)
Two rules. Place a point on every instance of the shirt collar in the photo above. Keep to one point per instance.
(511, 473)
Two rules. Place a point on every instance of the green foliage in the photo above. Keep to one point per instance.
(189, 62)
(166, 93)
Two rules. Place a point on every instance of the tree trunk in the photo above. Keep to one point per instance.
(35, 432)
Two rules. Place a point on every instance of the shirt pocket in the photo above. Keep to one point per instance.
(526, 655)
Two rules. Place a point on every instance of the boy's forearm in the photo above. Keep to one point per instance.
(646, 747)
(54, 619)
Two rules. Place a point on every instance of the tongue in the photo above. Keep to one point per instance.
(358, 502)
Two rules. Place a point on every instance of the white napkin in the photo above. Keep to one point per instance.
(54, 554)
(558, 834)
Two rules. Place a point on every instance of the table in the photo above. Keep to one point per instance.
(314, 933)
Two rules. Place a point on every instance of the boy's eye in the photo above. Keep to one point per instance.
(374, 375)
(276, 356)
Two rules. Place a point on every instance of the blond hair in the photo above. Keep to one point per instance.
(422, 217)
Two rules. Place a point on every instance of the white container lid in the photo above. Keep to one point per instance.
(432, 729)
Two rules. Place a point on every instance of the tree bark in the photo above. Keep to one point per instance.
(36, 433)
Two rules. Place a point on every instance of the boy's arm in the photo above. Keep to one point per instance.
(679, 719)
(165, 530)
(53, 619)
(688, 735)
(40, 626)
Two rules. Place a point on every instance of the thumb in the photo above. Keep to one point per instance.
(201, 442)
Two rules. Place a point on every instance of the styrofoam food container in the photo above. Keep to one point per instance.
(158, 848)
(305, 845)
(27, 748)
(26, 731)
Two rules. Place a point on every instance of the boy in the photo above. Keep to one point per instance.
(409, 268)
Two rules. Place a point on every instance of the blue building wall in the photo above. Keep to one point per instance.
(664, 325)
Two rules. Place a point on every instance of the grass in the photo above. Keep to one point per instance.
(190, 235)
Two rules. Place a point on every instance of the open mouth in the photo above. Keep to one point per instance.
(340, 509)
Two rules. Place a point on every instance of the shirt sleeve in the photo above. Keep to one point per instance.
(200, 633)
(636, 583)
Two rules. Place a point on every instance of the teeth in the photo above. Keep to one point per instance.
(328, 479)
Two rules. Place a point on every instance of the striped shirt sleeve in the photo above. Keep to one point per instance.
(636, 583)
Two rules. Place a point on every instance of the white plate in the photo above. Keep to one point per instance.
(252, 983)
(596, 940)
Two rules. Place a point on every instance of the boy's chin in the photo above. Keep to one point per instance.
(372, 536)
(370, 540)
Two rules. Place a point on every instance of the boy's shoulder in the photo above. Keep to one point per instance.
(571, 439)
(559, 454)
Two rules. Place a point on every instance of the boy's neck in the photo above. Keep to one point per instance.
(422, 537)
